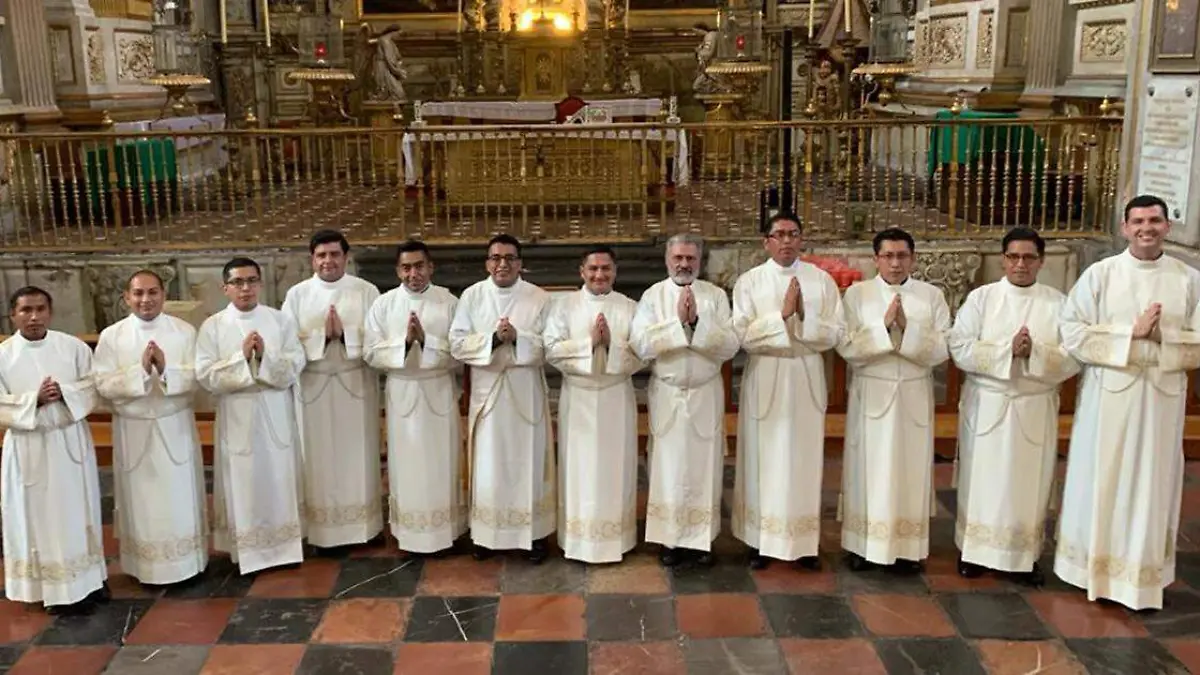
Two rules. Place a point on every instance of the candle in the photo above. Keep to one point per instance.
(812, 6)
(224, 25)
(626, 16)
(460, 16)
(848, 17)
(267, 22)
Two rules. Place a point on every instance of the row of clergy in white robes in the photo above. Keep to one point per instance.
(269, 492)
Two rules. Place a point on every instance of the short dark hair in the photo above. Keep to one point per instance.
(413, 246)
(598, 250)
(235, 264)
(1143, 201)
(893, 234)
(506, 239)
(781, 217)
(328, 237)
(1023, 234)
(26, 291)
(145, 273)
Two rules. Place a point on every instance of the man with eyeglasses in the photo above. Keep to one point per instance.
(250, 357)
(1132, 321)
(497, 331)
(786, 314)
(342, 482)
(895, 336)
(683, 325)
(1005, 338)
(408, 337)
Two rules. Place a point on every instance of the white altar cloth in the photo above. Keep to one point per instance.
(529, 112)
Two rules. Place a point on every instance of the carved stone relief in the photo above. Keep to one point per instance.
(106, 285)
(727, 263)
(135, 57)
(1016, 39)
(985, 40)
(955, 272)
(95, 57)
(62, 66)
(1103, 42)
(948, 41)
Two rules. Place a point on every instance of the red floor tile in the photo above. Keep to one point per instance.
(637, 573)
(719, 615)
(460, 576)
(786, 577)
(452, 658)
(893, 615)
(1187, 651)
(541, 618)
(363, 620)
(253, 660)
(190, 622)
(830, 657)
(941, 573)
(21, 622)
(1075, 617)
(1001, 657)
(636, 658)
(313, 579)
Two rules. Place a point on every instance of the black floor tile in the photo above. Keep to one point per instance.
(879, 580)
(107, 623)
(729, 575)
(331, 660)
(556, 575)
(1004, 616)
(635, 618)
(442, 619)
(158, 660)
(273, 621)
(524, 658)
(1180, 616)
(811, 616)
(219, 580)
(1124, 656)
(9, 654)
(378, 578)
(928, 656)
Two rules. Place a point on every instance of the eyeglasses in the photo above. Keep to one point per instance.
(243, 282)
(783, 235)
(1027, 258)
(497, 259)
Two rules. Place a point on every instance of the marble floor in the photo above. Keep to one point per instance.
(373, 611)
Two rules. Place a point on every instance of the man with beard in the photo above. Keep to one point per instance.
(49, 482)
(497, 331)
(786, 314)
(683, 325)
(340, 398)
(895, 336)
(248, 355)
(145, 366)
(1132, 321)
(587, 338)
(408, 337)
(1005, 338)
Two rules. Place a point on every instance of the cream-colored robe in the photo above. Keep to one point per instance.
(49, 482)
(781, 414)
(1007, 422)
(161, 502)
(597, 426)
(687, 411)
(342, 436)
(1120, 511)
(887, 470)
(258, 498)
(509, 441)
(427, 500)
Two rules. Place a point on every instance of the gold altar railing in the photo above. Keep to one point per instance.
(571, 183)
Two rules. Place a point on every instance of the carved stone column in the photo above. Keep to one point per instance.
(1044, 52)
(29, 60)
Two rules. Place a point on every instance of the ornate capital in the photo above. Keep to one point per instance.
(955, 272)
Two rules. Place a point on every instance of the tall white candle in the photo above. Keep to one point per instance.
(812, 7)
(224, 24)
(848, 29)
(267, 22)
(626, 15)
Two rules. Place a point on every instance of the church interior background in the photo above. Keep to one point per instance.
(172, 134)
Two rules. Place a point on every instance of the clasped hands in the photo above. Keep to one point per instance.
(894, 317)
(416, 332)
(333, 324)
(48, 392)
(1147, 327)
(601, 334)
(252, 346)
(1022, 343)
(686, 308)
(506, 333)
(153, 358)
(793, 301)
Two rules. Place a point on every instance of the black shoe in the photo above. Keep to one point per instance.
(908, 567)
(537, 554)
(857, 563)
(100, 595)
(1034, 577)
(758, 561)
(810, 562)
(705, 559)
(969, 570)
(80, 608)
(481, 552)
(668, 557)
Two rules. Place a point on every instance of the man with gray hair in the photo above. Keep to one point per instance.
(683, 325)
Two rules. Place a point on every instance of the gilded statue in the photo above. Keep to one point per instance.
(379, 65)
(826, 91)
(705, 51)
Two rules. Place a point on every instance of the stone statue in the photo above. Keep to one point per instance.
(705, 51)
(380, 66)
(597, 11)
(826, 91)
(633, 83)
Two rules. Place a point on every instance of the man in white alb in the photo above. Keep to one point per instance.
(895, 336)
(49, 482)
(1132, 321)
(497, 332)
(1005, 338)
(683, 325)
(786, 314)
(587, 338)
(145, 366)
(249, 356)
(340, 394)
(408, 337)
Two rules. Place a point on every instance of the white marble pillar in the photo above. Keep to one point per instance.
(1045, 44)
(27, 32)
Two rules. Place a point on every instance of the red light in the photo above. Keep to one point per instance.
(740, 42)
(319, 51)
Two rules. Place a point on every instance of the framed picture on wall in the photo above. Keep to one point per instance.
(1176, 34)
